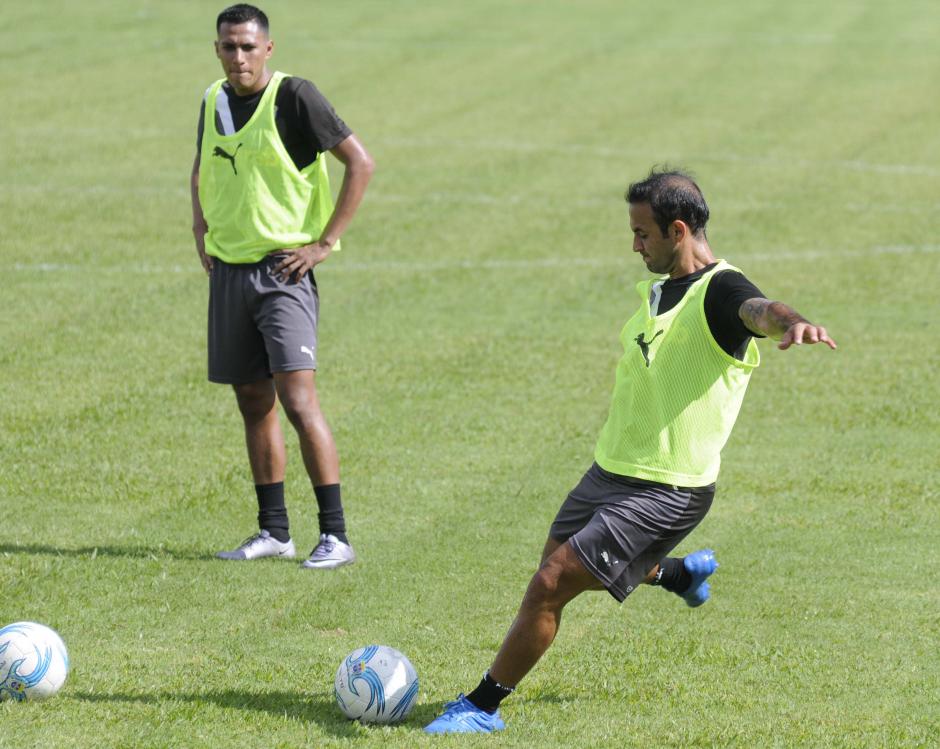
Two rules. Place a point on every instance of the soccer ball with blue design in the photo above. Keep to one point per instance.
(376, 684)
(33, 662)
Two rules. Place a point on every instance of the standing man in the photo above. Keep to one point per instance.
(263, 218)
(688, 355)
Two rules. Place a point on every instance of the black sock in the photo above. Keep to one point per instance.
(673, 575)
(272, 513)
(489, 694)
(330, 515)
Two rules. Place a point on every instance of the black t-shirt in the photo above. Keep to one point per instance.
(305, 120)
(726, 292)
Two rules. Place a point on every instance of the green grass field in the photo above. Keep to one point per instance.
(469, 335)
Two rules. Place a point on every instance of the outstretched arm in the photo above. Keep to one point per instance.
(778, 321)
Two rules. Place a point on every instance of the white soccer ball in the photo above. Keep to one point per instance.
(33, 662)
(376, 684)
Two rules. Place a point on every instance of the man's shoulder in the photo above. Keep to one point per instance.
(729, 278)
(728, 290)
(727, 275)
(295, 86)
(217, 82)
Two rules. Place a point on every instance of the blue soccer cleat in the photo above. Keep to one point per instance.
(462, 716)
(700, 564)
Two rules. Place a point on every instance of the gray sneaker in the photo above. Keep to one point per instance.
(262, 545)
(329, 554)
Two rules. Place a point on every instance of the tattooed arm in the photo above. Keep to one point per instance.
(779, 321)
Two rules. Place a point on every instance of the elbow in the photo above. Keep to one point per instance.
(359, 172)
(366, 165)
(360, 161)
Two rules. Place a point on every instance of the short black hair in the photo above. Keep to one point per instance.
(673, 196)
(242, 13)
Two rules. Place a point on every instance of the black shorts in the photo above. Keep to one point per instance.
(622, 527)
(259, 324)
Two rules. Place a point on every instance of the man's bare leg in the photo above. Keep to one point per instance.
(298, 394)
(264, 439)
(257, 403)
(559, 579)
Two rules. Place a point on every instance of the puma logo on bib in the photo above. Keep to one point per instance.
(219, 151)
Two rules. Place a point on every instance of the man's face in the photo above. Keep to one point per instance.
(658, 252)
(244, 49)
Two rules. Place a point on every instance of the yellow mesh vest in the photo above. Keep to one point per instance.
(677, 394)
(253, 197)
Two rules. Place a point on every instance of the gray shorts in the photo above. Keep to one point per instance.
(621, 527)
(259, 324)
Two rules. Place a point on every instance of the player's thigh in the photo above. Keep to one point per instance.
(579, 507)
(561, 577)
(255, 399)
(287, 314)
(550, 545)
(297, 392)
(237, 353)
(638, 525)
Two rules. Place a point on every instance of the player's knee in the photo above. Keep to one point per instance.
(544, 586)
(255, 400)
(302, 411)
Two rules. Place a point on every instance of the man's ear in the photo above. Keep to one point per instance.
(678, 230)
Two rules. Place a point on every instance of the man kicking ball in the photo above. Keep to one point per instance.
(688, 355)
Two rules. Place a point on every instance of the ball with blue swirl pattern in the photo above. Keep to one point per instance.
(33, 662)
(376, 684)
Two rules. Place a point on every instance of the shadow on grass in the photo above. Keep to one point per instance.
(294, 705)
(91, 552)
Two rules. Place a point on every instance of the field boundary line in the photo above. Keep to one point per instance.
(606, 152)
